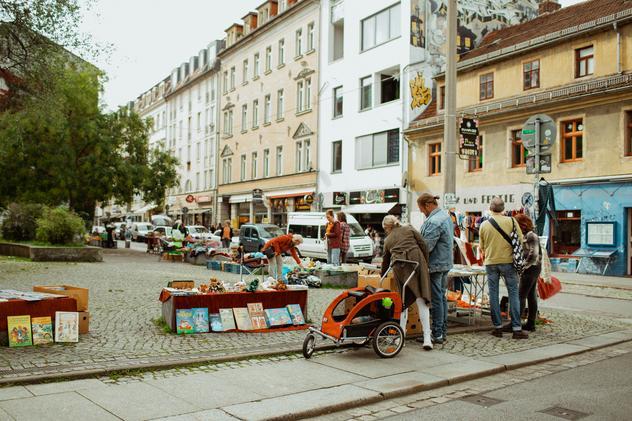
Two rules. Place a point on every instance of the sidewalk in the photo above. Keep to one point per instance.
(595, 280)
(285, 389)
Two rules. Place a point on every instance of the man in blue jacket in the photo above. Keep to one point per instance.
(438, 233)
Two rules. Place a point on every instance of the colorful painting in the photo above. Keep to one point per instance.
(242, 317)
(184, 321)
(257, 316)
(66, 326)
(420, 94)
(19, 331)
(417, 28)
(278, 317)
(216, 323)
(296, 314)
(200, 320)
(227, 318)
(42, 330)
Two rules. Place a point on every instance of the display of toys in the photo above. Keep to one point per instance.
(253, 285)
(216, 286)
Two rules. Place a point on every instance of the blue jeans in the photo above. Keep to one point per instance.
(333, 256)
(511, 282)
(439, 283)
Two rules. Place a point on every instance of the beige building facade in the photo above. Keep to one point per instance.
(268, 114)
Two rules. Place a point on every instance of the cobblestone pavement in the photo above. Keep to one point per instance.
(402, 405)
(124, 302)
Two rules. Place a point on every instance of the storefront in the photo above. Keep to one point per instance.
(192, 209)
(369, 207)
(273, 207)
(593, 233)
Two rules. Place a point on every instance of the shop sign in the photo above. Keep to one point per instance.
(300, 204)
(340, 198)
(309, 199)
(478, 199)
(203, 199)
(185, 210)
(468, 139)
(257, 195)
(190, 198)
(370, 197)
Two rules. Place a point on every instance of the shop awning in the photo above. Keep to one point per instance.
(144, 209)
(284, 196)
(370, 208)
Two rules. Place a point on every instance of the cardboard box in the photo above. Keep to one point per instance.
(84, 322)
(181, 284)
(79, 294)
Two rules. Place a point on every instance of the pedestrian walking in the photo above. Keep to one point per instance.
(128, 237)
(333, 236)
(403, 242)
(345, 235)
(497, 253)
(274, 250)
(531, 273)
(437, 232)
(226, 234)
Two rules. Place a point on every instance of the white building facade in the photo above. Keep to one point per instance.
(377, 60)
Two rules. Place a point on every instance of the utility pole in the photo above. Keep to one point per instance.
(449, 128)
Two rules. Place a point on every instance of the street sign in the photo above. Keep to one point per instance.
(468, 139)
(257, 195)
(548, 131)
(185, 210)
(545, 164)
(449, 200)
(527, 200)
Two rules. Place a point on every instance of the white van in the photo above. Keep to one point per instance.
(312, 225)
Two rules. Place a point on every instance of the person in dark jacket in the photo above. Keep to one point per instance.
(333, 234)
(533, 266)
(403, 242)
(345, 236)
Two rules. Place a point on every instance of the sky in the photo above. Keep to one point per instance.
(149, 38)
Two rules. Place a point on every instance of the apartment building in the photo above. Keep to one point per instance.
(574, 65)
(268, 117)
(377, 64)
(191, 108)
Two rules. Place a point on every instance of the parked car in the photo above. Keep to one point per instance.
(117, 230)
(253, 236)
(312, 226)
(99, 229)
(234, 241)
(140, 230)
(161, 221)
(164, 231)
(199, 232)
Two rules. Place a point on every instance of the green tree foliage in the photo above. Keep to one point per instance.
(20, 221)
(59, 226)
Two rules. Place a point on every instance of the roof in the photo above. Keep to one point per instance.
(548, 23)
(430, 111)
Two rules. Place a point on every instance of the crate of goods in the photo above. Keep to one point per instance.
(80, 294)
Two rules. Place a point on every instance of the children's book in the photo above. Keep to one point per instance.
(257, 316)
(184, 321)
(19, 331)
(216, 323)
(200, 320)
(296, 314)
(227, 318)
(242, 318)
(278, 317)
(66, 326)
(42, 330)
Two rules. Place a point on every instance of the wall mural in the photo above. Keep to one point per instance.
(417, 28)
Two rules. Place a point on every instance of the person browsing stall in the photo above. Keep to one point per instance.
(274, 250)
(227, 233)
(333, 234)
(345, 234)
(533, 266)
(437, 231)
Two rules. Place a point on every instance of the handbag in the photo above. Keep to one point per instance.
(546, 267)
(548, 289)
(514, 241)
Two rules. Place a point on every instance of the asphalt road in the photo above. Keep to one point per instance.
(596, 305)
(602, 390)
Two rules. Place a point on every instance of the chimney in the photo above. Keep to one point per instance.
(548, 6)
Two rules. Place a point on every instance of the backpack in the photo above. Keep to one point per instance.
(514, 241)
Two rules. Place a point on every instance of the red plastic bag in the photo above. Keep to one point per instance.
(547, 290)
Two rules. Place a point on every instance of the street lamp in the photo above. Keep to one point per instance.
(449, 128)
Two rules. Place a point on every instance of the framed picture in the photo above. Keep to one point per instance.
(600, 234)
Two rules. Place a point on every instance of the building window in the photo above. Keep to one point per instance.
(303, 95)
(255, 113)
(299, 157)
(268, 59)
(518, 151)
(244, 72)
(310, 37)
(381, 27)
(267, 110)
(279, 160)
(281, 60)
(197, 181)
(572, 140)
(255, 67)
(298, 40)
(377, 150)
(366, 93)
(299, 96)
(434, 159)
(336, 156)
(242, 168)
(266, 163)
(282, 5)
(566, 234)
(628, 133)
(280, 104)
(244, 118)
(389, 87)
(584, 61)
(232, 77)
(338, 101)
(254, 166)
(441, 97)
(531, 74)
(224, 85)
(308, 94)
(487, 86)
(475, 164)
(227, 168)
(307, 154)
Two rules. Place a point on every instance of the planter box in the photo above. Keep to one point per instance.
(52, 254)
(80, 294)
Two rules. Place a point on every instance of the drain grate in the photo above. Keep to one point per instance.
(481, 400)
(567, 414)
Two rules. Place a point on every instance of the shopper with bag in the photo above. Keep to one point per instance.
(333, 234)
(531, 273)
(501, 247)
(274, 250)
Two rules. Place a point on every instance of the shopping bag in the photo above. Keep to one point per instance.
(548, 289)
(546, 266)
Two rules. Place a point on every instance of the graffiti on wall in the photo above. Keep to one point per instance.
(417, 28)
(420, 94)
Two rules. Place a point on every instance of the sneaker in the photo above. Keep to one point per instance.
(520, 334)
(438, 340)
(498, 332)
(529, 327)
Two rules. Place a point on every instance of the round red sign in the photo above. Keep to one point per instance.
(190, 198)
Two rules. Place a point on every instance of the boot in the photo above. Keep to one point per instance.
(529, 326)
(520, 334)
